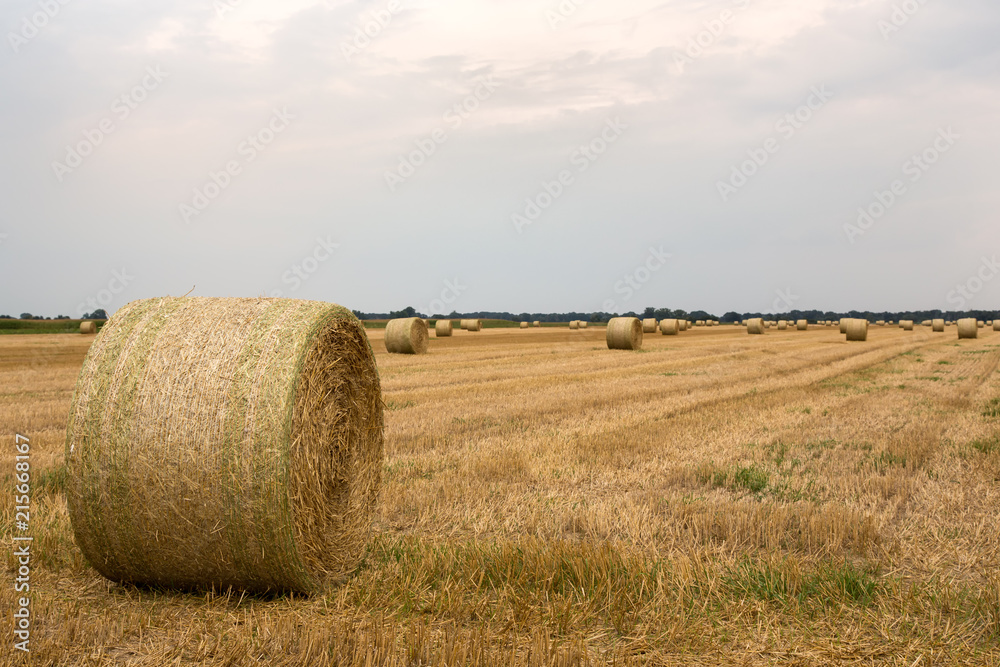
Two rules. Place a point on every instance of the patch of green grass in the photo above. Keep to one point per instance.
(51, 482)
(670, 375)
(751, 478)
(829, 584)
(943, 362)
(986, 446)
(931, 378)
(887, 460)
(992, 408)
(398, 405)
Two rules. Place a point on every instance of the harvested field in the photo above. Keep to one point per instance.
(714, 498)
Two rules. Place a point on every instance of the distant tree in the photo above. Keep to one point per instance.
(731, 316)
(6, 317)
(409, 311)
(62, 317)
(27, 316)
(98, 314)
(649, 312)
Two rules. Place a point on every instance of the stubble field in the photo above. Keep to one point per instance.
(716, 498)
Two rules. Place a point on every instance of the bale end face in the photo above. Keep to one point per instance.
(88, 327)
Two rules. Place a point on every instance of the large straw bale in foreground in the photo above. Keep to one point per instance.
(967, 328)
(406, 335)
(857, 329)
(755, 325)
(442, 328)
(624, 333)
(669, 327)
(88, 327)
(937, 325)
(226, 442)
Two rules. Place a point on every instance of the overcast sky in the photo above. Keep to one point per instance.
(502, 155)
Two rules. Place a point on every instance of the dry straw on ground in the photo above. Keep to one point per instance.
(406, 335)
(937, 325)
(88, 327)
(755, 326)
(624, 333)
(442, 328)
(649, 325)
(226, 442)
(857, 329)
(668, 327)
(967, 328)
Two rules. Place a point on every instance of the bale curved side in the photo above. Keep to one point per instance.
(857, 329)
(624, 333)
(802, 325)
(442, 328)
(669, 327)
(524, 325)
(967, 328)
(755, 325)
(649, 325)
(88, 327)
(406, 335)
(574, 324)
(226, 442)
(937, 325)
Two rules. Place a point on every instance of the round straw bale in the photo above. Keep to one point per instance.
(843, 324)
(699, 323)
(967, 328)
(996, 325)
(980, 324)
(937, 325)
(857, 329)
(536, 323)
(406, 335)
(472, 325)
(583, 324)
(668, 327)
(782, 325)
(220, 442)
(802, 325)
(682, 325)
(574, 324)
(649, 325)
(88, 327)
(906, 325)
(524, 325)
(755, 326)
(624, 333)
(442, 328)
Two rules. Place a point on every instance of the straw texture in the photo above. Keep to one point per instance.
(669, 327)
(624, 333)
(857, 329)
(406, 335)
(442, 328)
(88, 327)
(755, 325)
(937, 325)
(967, 328)
(226, 442)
